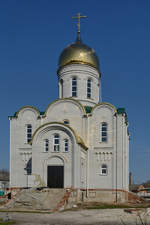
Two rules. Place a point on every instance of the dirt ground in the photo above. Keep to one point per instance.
(81, 217)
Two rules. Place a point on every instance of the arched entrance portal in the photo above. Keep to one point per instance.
(55, 173)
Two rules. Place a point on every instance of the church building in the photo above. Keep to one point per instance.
(79, 141)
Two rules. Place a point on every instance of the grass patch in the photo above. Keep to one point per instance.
(6, 223)
(98, 205)
(108, 206)
(26, 211)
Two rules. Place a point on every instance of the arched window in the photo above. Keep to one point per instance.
(104, 169)
(74, 87)
(29, 167)
(62, 88)
(66, 122)
(46, 145)
(56, 143)
(89, 88)
(104, 135)
(29, 132)
(66, 145)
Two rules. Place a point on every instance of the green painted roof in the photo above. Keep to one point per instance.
(121, 110)
(15, 114)
(42, 113)
(88, 109)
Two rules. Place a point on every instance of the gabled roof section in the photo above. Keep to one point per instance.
(26, 107)
(65, 99)
(103, 104)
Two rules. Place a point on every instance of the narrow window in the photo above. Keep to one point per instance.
(62, 88)
(46, 145)
(89, 88)
(29, 133)
(104, 170)
(56, 143)
(29, 167)
(74, 87)
(66, 145)
(66, 122)
(104, 132)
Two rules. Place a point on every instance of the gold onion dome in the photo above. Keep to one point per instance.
(78, 53)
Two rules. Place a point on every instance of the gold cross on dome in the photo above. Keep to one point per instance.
(78, 17)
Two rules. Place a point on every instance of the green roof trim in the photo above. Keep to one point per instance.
(42, 113)
(121, 111)
(15, 114)
(88, 109)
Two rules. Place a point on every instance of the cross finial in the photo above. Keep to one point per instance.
(78, 17)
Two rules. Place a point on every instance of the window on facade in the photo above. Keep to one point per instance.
(89, 88)
(74, 87)
(29, 133)
(56, 143)
(104, 169)
(66, 145)
(46, 145)
(29, 167)
(104, 132)
(66, 121)
(61, 83)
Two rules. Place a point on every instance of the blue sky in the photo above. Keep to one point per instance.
(34, 32)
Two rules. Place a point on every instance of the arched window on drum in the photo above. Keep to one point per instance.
(74, 87)
(89, 82)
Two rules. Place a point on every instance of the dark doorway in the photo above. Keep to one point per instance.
(55, 176)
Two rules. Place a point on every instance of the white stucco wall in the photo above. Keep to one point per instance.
(82, 166)
(82, 73)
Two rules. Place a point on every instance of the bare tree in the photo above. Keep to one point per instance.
(4, 174)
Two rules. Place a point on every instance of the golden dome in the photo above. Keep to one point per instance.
(78, 53)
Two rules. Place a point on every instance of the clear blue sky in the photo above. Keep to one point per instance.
(34, 32)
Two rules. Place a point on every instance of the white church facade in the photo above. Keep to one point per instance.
(79, 141)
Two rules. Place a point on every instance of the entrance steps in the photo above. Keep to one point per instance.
(33, 199)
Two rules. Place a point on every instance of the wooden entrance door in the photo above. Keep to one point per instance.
(55, 176)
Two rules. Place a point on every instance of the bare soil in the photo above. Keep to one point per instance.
(82, 217)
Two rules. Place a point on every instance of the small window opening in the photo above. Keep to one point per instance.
(29, 133)
(66, 122)
(104, 170)
(46, 145)
(89, 88)
(104, 132)
(56, 143)
(74, 87)
(66, 145)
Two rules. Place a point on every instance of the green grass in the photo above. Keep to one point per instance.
(97, 205)
(108, 207)
(28, 211)
(6, 223)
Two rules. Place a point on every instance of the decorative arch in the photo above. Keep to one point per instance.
(45, 127)
(62, 159)
(28, 107)
(77, 103)
(112, 107)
